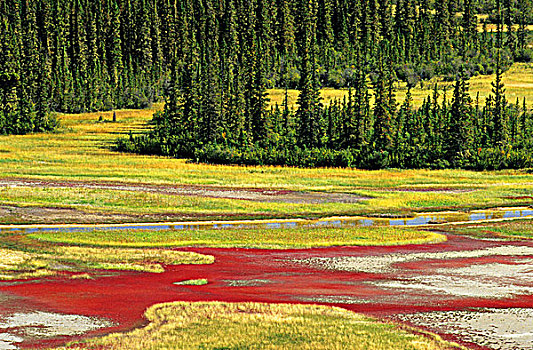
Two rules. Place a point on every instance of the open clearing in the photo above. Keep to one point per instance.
(517, 81)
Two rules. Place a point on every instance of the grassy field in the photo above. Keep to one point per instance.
(256, 238)
(505, 229)
(263, 326)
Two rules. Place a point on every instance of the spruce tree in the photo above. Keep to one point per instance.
(309, 105)
(524, 8)
(359, 137)
(469, 23)
(498, 112)
(155, 39)
(232, 88)
(442, 26)
(144, 39)
(499, 25)
(284, 33)
(510, 38)
(385, 20)
(260, 46)
(211, 128)
(325, 34)
(29, 68)
(458, 128)
(115, 56)
(9, 76)
(383, 114)
(340, 21)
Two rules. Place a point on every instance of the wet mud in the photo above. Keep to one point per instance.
(250, 194)
(50, 215)
(505, 329)
(10, 214)
(414, 284)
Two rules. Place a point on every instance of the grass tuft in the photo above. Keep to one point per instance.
(198, 282)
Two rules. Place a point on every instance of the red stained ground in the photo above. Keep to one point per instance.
(241, 275)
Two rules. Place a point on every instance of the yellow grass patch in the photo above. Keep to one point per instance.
(21, 265)
(215, 325)
(251, 238)
(148, 260)
(518, 81)
(10, 259)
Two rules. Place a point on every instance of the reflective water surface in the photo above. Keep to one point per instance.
(361, 221)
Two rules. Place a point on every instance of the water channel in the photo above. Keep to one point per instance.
(416, 220)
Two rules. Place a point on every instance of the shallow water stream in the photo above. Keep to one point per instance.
(385, 220)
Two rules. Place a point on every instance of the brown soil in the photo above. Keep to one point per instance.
(13, 214)
(251, 194)
(428, 189)
(57, 215)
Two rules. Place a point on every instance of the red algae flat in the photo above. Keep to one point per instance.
(459, 275)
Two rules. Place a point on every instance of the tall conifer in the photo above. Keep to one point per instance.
(309, 105)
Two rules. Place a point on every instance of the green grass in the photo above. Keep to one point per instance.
(250, 238)
(214, 325)
(522, 228)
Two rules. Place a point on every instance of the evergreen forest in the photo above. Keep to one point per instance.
(212, 61)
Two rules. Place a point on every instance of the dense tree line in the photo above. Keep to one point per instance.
(231, 51)
(214, 59)
(81, 55)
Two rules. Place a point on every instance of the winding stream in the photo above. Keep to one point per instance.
(416, 220)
